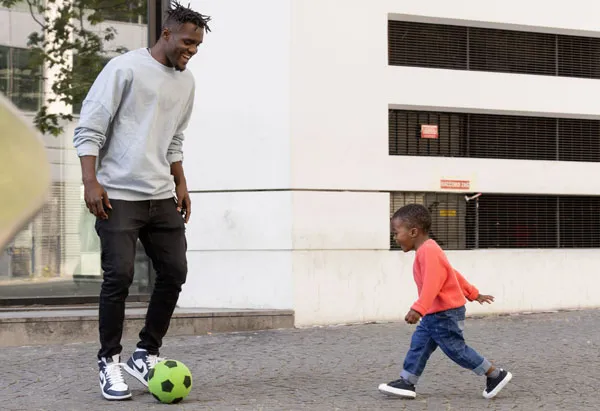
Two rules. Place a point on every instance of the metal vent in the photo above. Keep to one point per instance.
(494, 136)
(505, 51)
(508, 220)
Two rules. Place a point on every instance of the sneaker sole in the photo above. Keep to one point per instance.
(114, 397)
(396, 392)
(135, 374)
(498, 388)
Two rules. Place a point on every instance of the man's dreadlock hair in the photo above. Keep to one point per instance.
(415, 216)
(179, 14)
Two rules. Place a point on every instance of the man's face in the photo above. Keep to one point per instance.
(403, 235)
(182, 43)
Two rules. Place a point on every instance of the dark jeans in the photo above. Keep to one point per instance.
(445, 330)
(161, 229)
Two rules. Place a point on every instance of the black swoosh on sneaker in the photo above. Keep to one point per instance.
(141, 370)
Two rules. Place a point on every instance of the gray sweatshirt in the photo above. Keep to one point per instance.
(133, 120)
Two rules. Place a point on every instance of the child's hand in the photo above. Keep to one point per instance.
(482, 298)
(412, 317)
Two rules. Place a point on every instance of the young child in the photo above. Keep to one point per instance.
(440, 307)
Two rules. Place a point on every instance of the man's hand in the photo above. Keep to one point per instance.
(184, 203)
(96, 199)
(482, 298)
(412, 317)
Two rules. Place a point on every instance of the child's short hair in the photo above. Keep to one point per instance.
(415, 215)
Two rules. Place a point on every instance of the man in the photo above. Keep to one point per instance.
(129, 140)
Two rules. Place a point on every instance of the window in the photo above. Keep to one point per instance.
(579, 221)
(489, 221)
(23, 5)
(19, 81)
(448, 214)
(56, 258)
(514, 221)
(506, 51)
(578, 57)
(512, 51)
(125, 11)
(427, 45)
(405, 134)
(494, 136)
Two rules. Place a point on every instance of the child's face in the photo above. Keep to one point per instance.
(404, 235)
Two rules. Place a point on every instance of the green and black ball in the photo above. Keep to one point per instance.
(170, 381)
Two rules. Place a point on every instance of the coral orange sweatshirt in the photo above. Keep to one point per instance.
(440, 286)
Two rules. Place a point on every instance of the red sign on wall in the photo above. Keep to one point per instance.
(455, 184)
(429, 131)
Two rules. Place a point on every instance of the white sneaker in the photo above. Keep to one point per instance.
(112, 383)
(140, 363)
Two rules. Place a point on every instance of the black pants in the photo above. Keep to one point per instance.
(161, 229)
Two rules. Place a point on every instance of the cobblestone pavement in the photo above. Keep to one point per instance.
(555, 359)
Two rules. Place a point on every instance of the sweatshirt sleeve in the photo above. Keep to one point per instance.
(175, 151)
(468, 289)
(99, 108)
(434, 275)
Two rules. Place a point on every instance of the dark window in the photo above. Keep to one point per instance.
(511, 137)
(512, 51)
(448, 216)
(515, 221)
(405, 133)
(20, 81)
(489, 221)
(578, 56)
(494, 136)
(126, 11)
(506, 51)
(579, 222)
(579, 140)
(427, 45)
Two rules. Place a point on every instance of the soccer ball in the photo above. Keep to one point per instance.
(170, 381)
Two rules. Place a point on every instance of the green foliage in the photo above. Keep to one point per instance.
(71, 44)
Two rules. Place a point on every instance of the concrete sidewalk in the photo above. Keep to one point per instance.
(555, 359)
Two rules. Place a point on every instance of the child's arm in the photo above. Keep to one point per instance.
(434, 275)
(468, 289)
(471, 292)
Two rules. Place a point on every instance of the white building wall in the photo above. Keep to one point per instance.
(237, 159)
(292, 113)
(238, 138)
(342, 88)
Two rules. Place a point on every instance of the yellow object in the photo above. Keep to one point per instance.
(447, 213)
(24, 172)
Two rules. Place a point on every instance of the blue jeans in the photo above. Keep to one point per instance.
(443, 329)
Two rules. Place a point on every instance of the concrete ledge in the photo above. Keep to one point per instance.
(61, 326)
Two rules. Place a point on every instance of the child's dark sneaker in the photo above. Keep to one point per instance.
(140, 363)
(399, 388)
(495, 385)
(112, 383)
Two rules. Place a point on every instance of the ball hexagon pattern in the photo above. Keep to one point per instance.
(170, 381)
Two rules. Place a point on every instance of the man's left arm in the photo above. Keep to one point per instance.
(175, 158)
